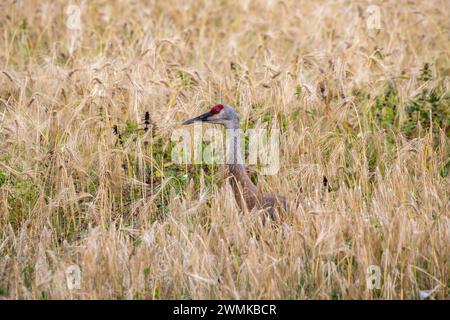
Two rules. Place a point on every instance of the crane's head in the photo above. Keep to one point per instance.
(219, 114)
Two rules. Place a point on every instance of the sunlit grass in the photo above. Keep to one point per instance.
(86, 177)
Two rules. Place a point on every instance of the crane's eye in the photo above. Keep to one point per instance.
(216, 109)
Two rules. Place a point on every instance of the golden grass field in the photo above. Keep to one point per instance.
(81, 182)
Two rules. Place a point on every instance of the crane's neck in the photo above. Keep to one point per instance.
(245, 191)
(234, 156)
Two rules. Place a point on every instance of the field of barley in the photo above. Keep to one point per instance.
(92, 91)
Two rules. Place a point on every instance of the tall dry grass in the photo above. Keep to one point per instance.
(139, 227)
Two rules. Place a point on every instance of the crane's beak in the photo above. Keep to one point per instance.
(202, 117)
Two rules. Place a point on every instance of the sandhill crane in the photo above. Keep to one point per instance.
(247, 195)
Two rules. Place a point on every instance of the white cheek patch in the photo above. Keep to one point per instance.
(215, 116)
